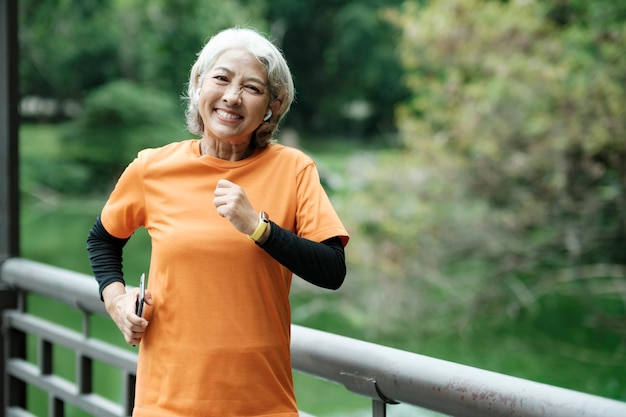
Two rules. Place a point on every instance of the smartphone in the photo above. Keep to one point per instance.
(142, 295)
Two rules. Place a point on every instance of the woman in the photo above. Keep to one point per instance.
(216, 332)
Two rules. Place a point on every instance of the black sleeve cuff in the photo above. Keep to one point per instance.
(105, 255)
(320, 263)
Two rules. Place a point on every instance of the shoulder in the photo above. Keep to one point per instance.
(174, 149)
(288, 153)
(161, 159)
(165, 157)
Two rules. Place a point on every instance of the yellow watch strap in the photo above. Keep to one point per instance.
(260, 229)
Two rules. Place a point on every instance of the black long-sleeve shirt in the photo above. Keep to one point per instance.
(322, 264)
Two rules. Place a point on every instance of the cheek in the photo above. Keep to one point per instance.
(202, 104)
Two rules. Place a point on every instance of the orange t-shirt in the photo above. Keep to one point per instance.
(219, 333)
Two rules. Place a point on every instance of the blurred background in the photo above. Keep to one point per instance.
(475, 150)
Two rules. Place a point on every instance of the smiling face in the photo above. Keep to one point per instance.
(234, 97)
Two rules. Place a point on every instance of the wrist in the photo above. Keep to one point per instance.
(262, 230)
(265, 236)
(111, 293)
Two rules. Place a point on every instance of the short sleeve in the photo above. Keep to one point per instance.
(316, 218)
(125, 210)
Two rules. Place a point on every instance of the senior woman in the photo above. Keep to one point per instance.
(231, 217)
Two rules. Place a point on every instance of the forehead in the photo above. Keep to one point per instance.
(242, 62)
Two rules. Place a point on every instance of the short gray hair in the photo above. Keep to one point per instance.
(279, 77)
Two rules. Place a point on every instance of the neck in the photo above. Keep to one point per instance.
(226, 151)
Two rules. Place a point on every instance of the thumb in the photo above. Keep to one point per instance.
(223, 183)
(148, 299)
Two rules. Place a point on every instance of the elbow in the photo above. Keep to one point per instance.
(338, 273)
(336, 284)
(336, 281)
(330, 280)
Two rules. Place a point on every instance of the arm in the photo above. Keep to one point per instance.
(105, 254)
(322, 264)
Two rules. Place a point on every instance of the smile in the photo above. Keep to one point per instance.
(227, 115)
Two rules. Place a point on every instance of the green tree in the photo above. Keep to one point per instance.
(166, 35)
(342, 55)
(123, 65)
(68, 48)
(118, 120)
(511, 184)
(343, 60)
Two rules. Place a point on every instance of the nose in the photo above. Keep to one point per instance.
(232, 95)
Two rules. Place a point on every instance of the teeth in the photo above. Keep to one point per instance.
(226, 115)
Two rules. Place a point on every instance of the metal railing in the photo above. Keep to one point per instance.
(385, 375)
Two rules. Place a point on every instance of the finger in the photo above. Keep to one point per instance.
(222, 187)
(220, 201)
(134, 334)
(224, 183)
(148, 298)
(136, 323)
(132, 337)
(222, 210)
(131, 331)
(138, 328)
(220, 192)
(131, 340)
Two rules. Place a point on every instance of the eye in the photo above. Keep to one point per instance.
(220, 78)
(253, 88)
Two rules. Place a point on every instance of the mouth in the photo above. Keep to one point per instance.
(225, 114)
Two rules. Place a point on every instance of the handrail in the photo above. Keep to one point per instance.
(398, 376)
(384, 374)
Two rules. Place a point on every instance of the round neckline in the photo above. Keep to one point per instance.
(212, 160)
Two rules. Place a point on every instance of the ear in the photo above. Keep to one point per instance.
(198, 83)
(275, 105)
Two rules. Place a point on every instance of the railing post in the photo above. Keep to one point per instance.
(9, 168)
(9, 156)
(379, 408)
(13, 346)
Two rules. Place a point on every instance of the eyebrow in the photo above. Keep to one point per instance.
(255, 79)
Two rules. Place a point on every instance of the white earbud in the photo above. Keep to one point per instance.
(267, 115)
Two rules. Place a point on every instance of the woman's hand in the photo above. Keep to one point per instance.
(233, 204)
(121, 307)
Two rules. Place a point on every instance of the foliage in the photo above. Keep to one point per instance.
(344, 64)
(343, 60)
(510, 185)
(68, 48)
(166, 36)
(44, 171)
(118, 120)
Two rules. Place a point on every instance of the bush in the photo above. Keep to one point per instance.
(511, 183)
(118, 120)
